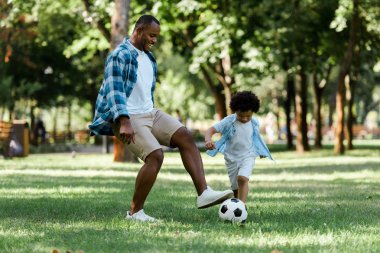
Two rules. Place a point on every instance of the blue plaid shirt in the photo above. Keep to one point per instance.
(227, 128)
(120, 77)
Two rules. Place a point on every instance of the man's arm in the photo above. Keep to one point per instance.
(115, 88)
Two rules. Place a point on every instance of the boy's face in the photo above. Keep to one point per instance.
(244, 117)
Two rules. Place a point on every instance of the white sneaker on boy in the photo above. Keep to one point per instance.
(140, 216)
(209, 197)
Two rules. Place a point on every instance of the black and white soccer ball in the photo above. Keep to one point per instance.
(233, 210)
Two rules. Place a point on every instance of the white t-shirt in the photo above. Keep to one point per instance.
(240, 144)
(140, 100)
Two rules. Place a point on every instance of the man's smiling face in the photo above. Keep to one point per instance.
(148, 36)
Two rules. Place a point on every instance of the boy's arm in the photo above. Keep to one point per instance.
(208, 138)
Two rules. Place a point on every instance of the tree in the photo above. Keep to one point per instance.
(319, 85)
(39, 71)
(343, 79)
(214, 37)
(119, 30)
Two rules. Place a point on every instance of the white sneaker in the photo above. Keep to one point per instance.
(140, 216)
(209, 197)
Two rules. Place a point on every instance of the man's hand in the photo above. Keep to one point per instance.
(127, 134)
(210, 145)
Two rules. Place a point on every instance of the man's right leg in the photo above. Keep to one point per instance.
(147, 148)
(171, 133)
(193, 163)
(145, 179)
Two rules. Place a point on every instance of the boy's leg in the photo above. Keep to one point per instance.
(233, 169)
(243, 188)
(245, 172)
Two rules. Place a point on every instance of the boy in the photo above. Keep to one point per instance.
(240, 142)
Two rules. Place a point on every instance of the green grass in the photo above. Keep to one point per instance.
(316, 202)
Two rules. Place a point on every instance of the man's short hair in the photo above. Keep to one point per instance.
(146, 20)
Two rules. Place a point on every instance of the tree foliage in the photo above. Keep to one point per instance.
(54, 51)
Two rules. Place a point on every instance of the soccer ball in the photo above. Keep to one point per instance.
(233, 210)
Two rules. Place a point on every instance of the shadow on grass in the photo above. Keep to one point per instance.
(93, 207)
(317, 169)
(288, 168)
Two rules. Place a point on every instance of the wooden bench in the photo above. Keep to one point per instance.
(359, 131)
(5, 137)
(59, 137)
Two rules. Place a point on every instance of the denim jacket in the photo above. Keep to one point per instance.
(227, 128)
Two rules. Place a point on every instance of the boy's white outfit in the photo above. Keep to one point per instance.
(240, 143)
(239, 159)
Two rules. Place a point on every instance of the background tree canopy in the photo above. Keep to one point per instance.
(53, 52)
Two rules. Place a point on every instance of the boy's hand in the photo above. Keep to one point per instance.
(210, 145)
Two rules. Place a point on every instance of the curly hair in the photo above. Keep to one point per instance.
(244, 101)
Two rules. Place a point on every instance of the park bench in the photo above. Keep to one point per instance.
(5, 137)
(359, 131)
(60, 137)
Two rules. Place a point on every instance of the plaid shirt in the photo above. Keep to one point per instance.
(120, 77)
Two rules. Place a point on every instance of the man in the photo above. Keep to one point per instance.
(125, 108)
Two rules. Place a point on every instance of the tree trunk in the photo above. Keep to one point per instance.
(119, 22)
(11, 109)
(276, 111)
(68, 127)
(32, 135)
(351, 118)
(227, 80)
(350, 115)
(217, 91)
(301, 113)
(332, 105)
(344, 70)
(227, 95)
(319, 87)
(290, 97)
(55, 120)
(119, 31)
(220, 102)
(317, 113)
(340, 102)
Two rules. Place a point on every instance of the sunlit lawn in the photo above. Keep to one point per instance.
(315, 202)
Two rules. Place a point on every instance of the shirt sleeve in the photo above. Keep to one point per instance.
(114, 86)
(221, 126)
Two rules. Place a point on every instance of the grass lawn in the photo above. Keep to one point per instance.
(315, 202)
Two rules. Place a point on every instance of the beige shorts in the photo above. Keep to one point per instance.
(152, 130)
